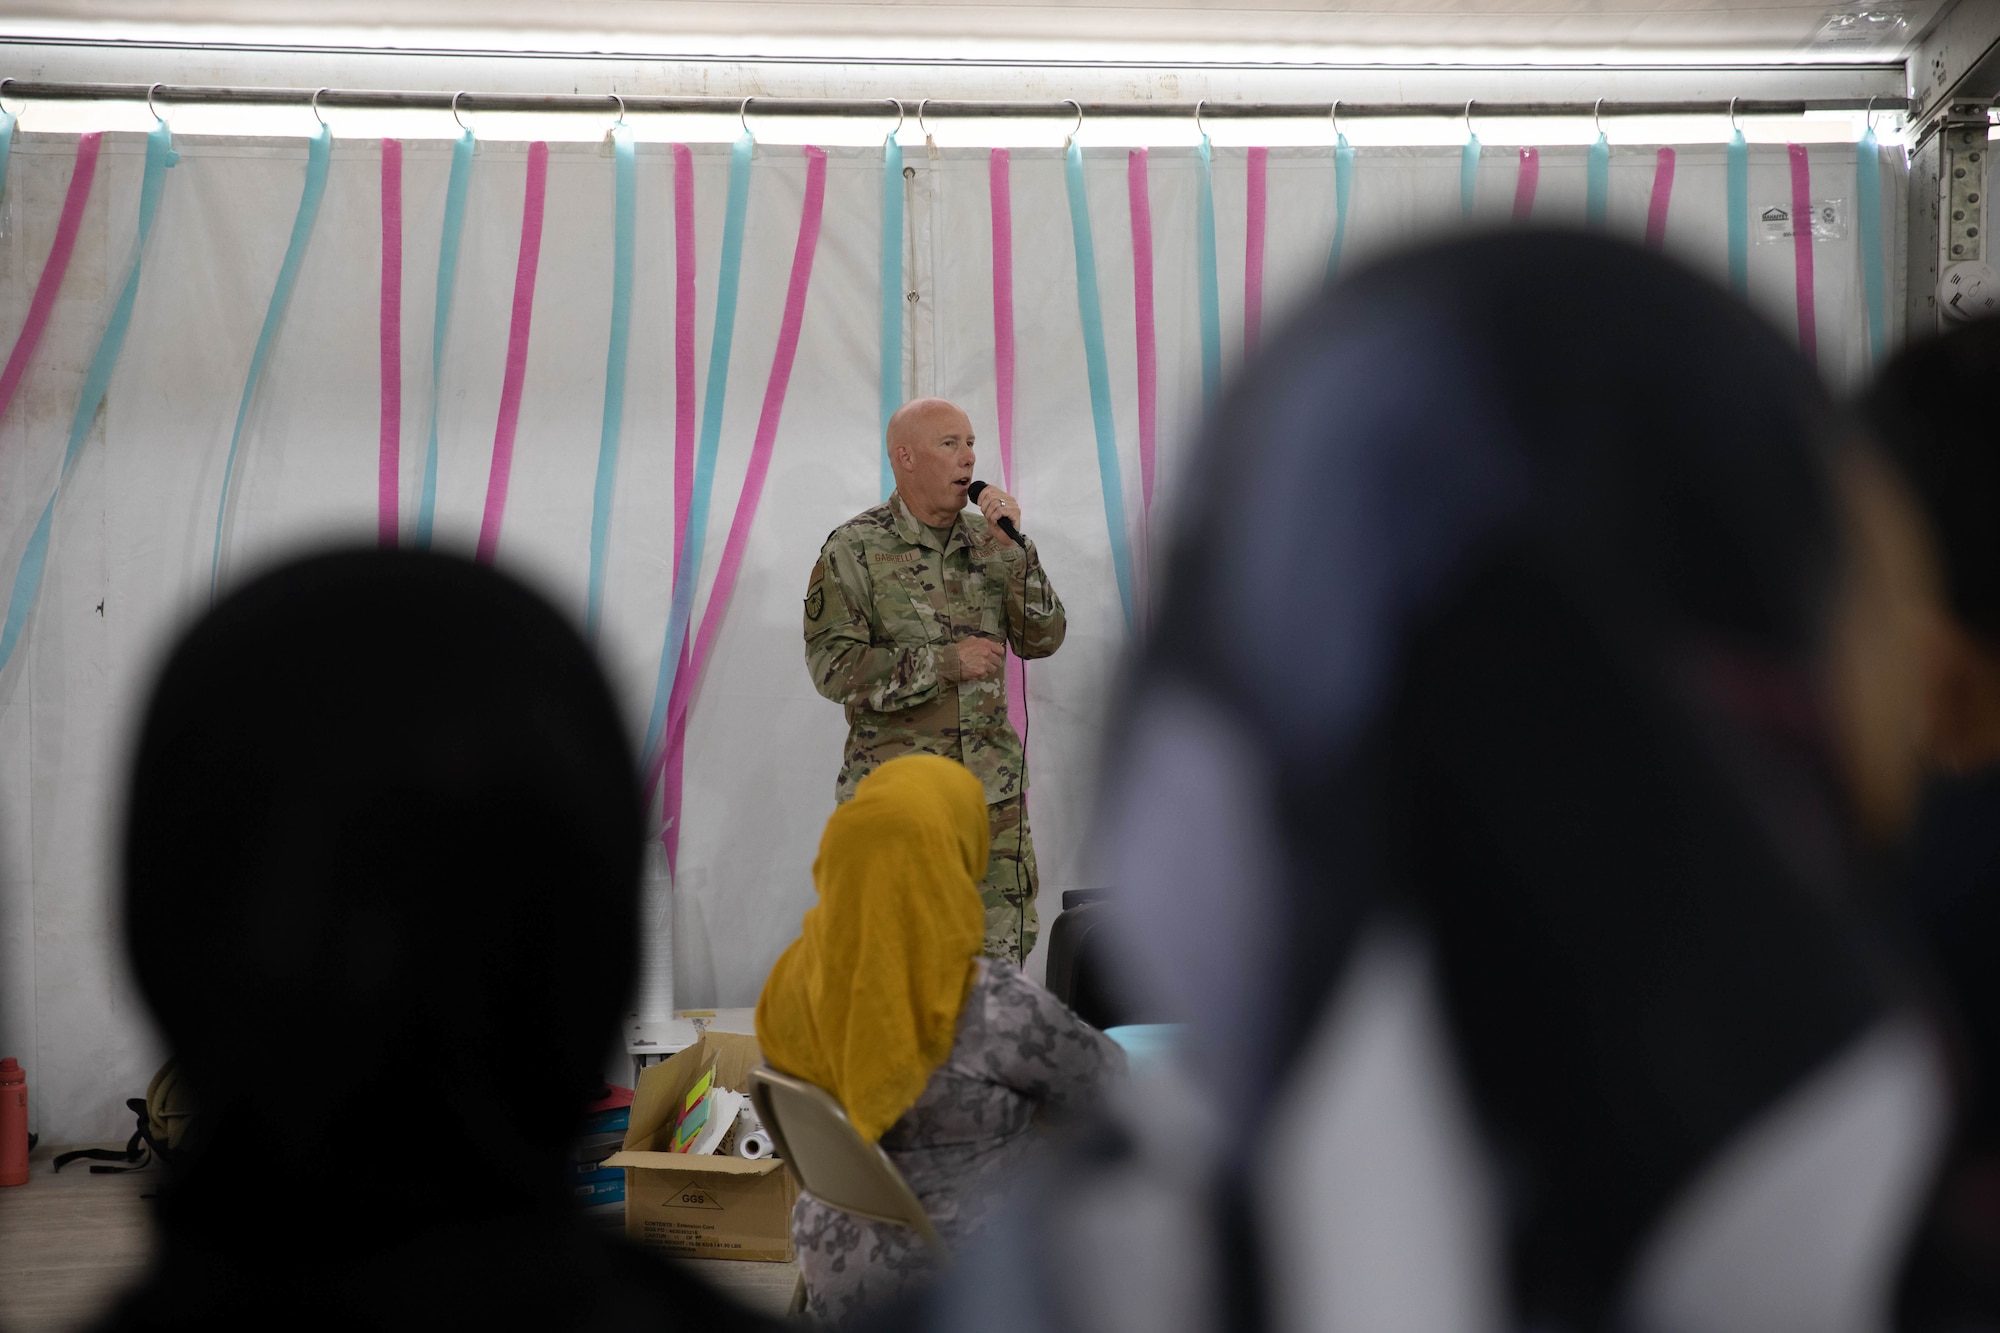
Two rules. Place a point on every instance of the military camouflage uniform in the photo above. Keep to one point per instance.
(886, 609)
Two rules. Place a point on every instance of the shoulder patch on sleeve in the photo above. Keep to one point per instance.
(816, 591)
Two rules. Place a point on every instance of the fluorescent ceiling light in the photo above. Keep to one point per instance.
(1185, 36)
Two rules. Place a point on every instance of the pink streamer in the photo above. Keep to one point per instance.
(1663, 194)
(1525, 182)
(670, 793)
(1253, 254)
(517, 352)
(1001, 192)
(684, 428)
(46, 287)
(999, 188)
(389, 470)
(1802, 251)
(753, 488)
(684, 402)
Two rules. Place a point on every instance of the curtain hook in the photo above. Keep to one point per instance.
(930, 144)
(151, 109)
(314, 104)
(3, 98)
(1468, 119)
(1077, 128)
(1199, 103)
(1597, 117)
(454, 113)
(1335, 114)
(1732, 117)
(1868, 116)
(743, 115)
(621, 109)
(897, 103)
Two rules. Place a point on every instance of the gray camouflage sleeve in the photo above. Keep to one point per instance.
(1036, 622)
(846, 663)
(1036, 1046)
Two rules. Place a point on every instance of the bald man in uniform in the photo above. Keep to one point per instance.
(909, 615)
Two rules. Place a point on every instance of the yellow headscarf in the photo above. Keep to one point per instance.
(865, 1002)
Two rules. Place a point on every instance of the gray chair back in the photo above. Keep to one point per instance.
(831, 1159)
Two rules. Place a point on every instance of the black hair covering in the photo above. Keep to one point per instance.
(1497, 606)
(381, 873)
(1932, 408)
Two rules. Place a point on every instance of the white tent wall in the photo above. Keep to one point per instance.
(136, 523)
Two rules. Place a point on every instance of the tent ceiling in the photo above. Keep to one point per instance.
(1620, 31)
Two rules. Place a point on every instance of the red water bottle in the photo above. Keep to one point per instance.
(13, 1123)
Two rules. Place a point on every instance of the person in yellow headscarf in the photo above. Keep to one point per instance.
(943, 1056)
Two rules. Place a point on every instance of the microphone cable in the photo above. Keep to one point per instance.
(1021, 827)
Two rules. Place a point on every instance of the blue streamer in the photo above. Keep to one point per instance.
(160, 155)
(1211, 302)
(454, 229)
(1092, 314)
(1739, 215)
(1597, 184)
(892, 296)
(7, 119)
(1343, 192)
(1468, 173)
(625, 207)
(688, 571)
(1868, 203)
(320, 149)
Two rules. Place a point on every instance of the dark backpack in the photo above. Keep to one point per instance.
(164, 1117)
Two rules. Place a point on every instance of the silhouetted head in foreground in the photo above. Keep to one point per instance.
(1530, 664)
(1931, 407)
(381, 872)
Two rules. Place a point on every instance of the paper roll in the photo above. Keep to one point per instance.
(755, 1145)
(654, 995)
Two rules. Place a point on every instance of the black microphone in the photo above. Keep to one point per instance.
(1005, 525)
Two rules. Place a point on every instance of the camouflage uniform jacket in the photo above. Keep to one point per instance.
(885, 611)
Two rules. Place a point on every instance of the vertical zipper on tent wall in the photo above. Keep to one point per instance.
(913, 172)
(921, 278)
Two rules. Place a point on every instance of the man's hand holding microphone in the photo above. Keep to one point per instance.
(1002, 510)
(976, 658)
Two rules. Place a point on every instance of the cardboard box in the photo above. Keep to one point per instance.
(701, 1207)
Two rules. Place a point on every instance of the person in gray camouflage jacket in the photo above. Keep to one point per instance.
(909, 614)
(1019, 1063)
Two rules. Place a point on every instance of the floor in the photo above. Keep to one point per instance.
(70, 1241)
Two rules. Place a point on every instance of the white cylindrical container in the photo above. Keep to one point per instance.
(653, 999)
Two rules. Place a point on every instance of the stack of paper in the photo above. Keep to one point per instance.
(600, 1190)
(707, 1114)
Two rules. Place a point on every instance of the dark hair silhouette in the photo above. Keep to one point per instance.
(381, 871)
(1930, 408)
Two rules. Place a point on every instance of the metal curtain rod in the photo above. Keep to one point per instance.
(1892, 68)
(881, 108)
